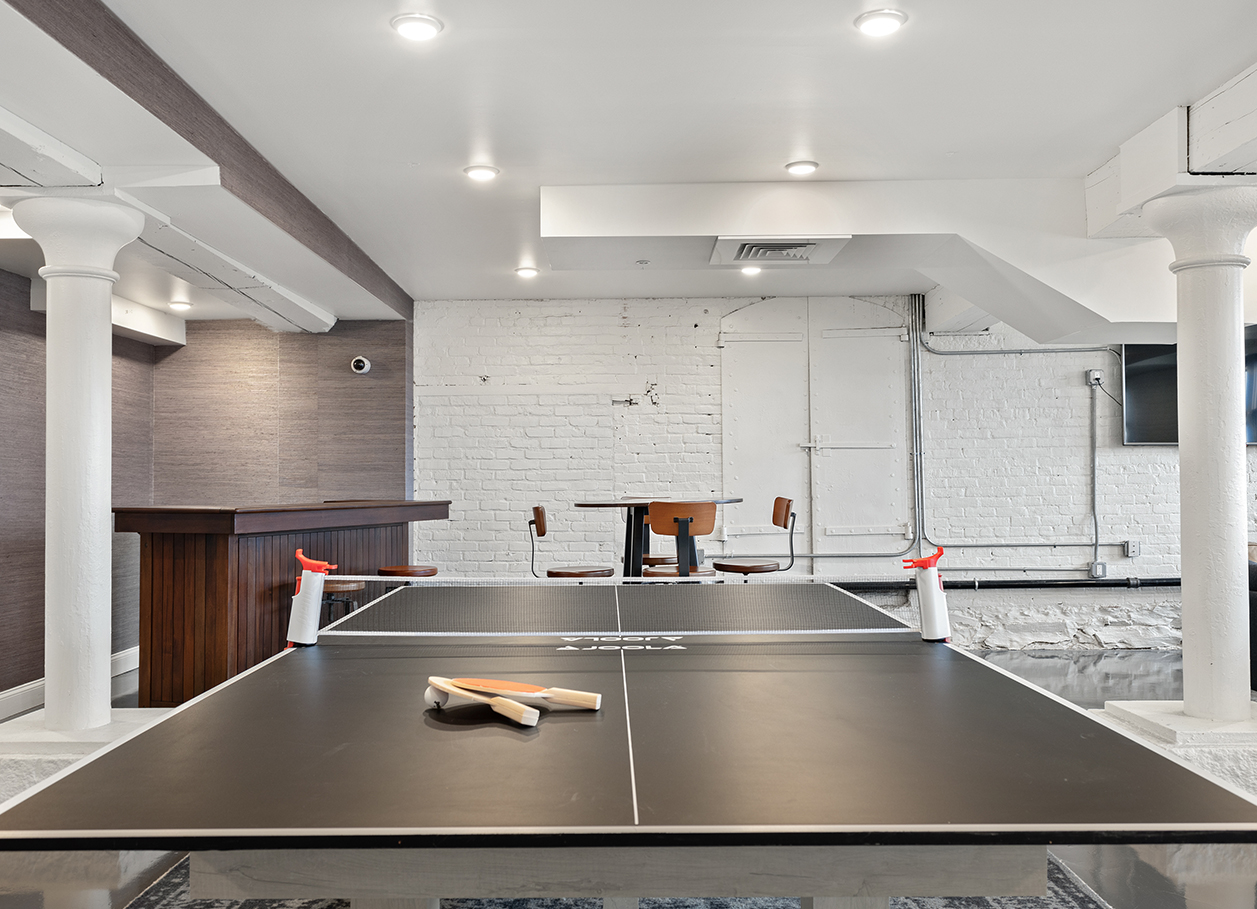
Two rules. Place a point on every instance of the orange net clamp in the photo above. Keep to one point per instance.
(927, 562)
(311, 565)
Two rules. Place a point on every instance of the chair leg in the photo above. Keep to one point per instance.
(685, 546)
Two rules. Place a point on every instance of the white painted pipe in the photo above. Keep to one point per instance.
(80, 239)
(1208, 230)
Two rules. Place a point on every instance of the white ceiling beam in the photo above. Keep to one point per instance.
(130, 319)
(1223, 128)
(31, 157)
(1016, 249)
(1153, 160)
(1105, 218)
(946, 312)
(187, 258)
(1211, 143)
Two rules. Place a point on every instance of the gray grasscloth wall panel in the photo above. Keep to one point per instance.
(244, 415)
(22, 481)
(132, 476)
(241, 415)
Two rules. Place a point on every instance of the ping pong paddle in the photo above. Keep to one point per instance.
(525, 716)
(587, 699)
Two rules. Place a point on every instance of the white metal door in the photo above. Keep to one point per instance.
(764, 413)
(816, 408)
(859, 417)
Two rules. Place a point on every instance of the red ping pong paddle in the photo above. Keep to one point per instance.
(587, 699)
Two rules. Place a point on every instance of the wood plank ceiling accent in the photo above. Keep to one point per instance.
(93, 33)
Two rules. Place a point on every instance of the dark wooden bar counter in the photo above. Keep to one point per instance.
(216, 584)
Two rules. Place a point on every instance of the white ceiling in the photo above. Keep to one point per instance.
(376, 130)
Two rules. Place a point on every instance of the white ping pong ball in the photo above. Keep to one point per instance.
(435, 698)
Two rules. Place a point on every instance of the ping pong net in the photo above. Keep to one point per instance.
(497, 608)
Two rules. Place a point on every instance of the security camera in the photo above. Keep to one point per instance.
(360, 365)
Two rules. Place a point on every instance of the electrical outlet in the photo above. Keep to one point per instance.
(1131, 548)
(1095, 376)
(1099, 570)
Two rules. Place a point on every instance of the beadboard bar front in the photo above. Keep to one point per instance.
(216, 584)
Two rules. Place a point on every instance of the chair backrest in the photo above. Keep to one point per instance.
(537, 523)
(781, 511)
(663, 517)
(784, 517)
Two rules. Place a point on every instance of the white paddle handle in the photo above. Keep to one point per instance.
(525, 716)
(587, 699)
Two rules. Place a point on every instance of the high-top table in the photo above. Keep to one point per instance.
(636, 541)
(216, 584)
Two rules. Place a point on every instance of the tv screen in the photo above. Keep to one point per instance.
(1150, 392)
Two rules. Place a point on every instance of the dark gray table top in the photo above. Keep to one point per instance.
(732, 714)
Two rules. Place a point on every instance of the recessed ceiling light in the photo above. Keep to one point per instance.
(481, 172)
(179, 306)
(880, 22)
(416, 27)
(802, 168)
(527, 271)
(751, 270)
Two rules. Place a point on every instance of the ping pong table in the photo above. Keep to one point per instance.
(771, 739)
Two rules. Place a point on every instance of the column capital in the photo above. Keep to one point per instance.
(1207, 227)
(78, 236)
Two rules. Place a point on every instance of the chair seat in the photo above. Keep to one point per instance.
(336, 585)
(580, 571)
(674, 571)
(659, 560)
(408, 571)
(746, 566)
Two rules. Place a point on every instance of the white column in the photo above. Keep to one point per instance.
(80, 239)
(1208, 229)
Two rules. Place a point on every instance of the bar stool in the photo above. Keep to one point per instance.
(782, 517)
(685, 521)
(538, 523)
(337, 591)
(407, 571)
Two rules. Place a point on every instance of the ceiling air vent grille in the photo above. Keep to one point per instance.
(765, 251)
(788, 251)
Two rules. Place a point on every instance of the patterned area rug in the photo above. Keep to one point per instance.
(1065, 891)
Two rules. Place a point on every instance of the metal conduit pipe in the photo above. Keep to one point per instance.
(917, 342)
(923, 535)
(1014, 583)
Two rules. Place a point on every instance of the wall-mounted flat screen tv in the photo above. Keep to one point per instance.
(1150, 391)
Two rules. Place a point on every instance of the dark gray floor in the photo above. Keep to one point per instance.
(1088, 678)
(1129, 877)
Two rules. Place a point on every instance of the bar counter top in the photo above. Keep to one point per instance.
(250, 519)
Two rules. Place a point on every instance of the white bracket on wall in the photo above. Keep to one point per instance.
(904, 530)
(823, 445)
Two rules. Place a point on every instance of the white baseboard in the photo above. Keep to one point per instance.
(31, 695)
(124, 661)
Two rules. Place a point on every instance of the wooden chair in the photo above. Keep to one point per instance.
(782, 517)
(538, 523)
(685, 521)
(647, 558)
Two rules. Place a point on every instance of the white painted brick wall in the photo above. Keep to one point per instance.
(1007, 460)
(524, 402)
